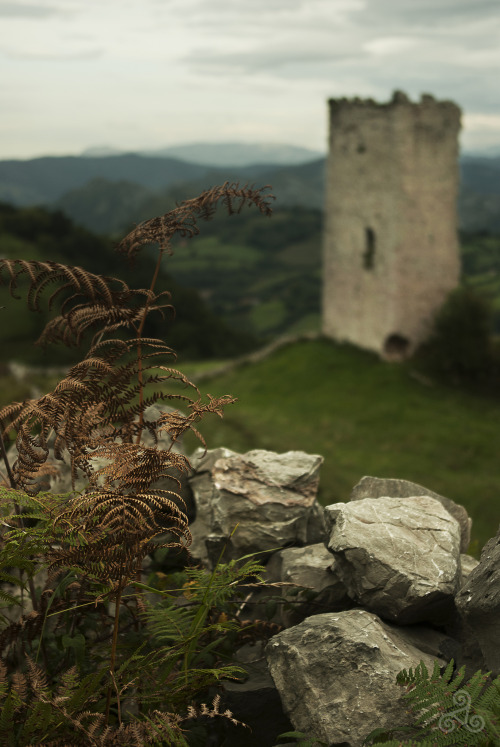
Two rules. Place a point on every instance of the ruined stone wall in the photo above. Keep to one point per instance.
(390, 246)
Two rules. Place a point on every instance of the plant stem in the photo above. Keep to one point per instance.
(114, 645)
(17, 509)
(139, 346)
(204, 608)
(6, 461)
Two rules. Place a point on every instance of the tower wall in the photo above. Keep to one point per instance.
(391, 251)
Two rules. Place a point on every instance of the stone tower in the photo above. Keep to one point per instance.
(390, 254)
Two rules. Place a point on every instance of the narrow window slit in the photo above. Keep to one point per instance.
(369, 253)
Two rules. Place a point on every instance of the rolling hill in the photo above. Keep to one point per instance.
(365, 417)
(91, 189)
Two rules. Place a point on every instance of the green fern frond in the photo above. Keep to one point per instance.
(448, 712)
(8, 707)
(8, 600)
(168, 624)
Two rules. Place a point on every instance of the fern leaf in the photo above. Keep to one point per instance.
(7, 720)
(183, 219)
(449, 716)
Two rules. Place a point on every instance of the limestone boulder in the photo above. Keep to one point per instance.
(336, 674)
(478, 601)
(398, 558)
(379, 487)
(254, 502)
(318, 587)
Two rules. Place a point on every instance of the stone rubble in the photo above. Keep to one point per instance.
(336, 674)
(398, 557)
(382, 583)
(369, 587)
(256, 500)
(377, 487)
(478, 602)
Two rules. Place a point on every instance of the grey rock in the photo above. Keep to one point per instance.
(478, 601)
(311, 567)
(396, 557)
(379, 487)
(336, 674)
(255, 502)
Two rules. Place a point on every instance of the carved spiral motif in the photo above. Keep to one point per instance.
(448, 721)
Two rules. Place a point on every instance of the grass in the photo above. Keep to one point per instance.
(207, 252)
(366, 417)
(268, 315)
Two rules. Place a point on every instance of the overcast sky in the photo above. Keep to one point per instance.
(135, 74)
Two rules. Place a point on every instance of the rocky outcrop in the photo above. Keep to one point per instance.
(362, 589)
(256, 700)
(378, 487)
(254, 502)
(313, 583)
(397, 557)
(336, 674)
(479, 604)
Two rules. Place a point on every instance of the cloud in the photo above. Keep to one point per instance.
(425, 14)
(247, 65)
(275, 37)
(299, 36)
(23, 10)
(40, 53)
(301, 56)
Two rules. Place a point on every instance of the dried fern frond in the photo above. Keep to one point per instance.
(42, 274)
(91, 405)
(95, 304)
(108, 512)
(176, 424)
(70, 326)
(195, 712)
(69, 329)
(109, 533)
(135, 466)
(183, 219)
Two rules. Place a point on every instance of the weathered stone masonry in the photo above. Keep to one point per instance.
(390, 248)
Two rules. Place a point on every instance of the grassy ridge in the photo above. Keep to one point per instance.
(363, 415)
(366, 417)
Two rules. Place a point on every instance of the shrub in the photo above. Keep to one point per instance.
(459, 349)
(75, 669)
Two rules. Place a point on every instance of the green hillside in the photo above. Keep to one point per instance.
(363, 415)
(366, 417)
(96, 204)
(265, 275)
(262, 274)
(40, 234)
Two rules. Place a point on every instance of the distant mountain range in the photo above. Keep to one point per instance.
(107, 193)
(223, 154)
